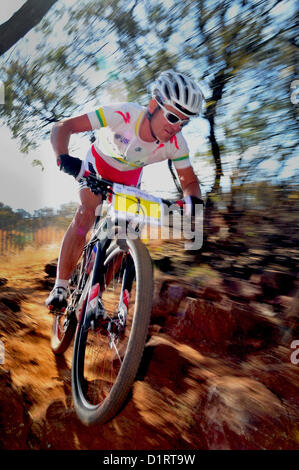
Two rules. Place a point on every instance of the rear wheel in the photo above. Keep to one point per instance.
(109, 345)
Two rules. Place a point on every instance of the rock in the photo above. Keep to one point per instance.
(3, 281)
(167, 367)
(211, 293)
(223, 323)
(205, 320)
(11, 302)
(51, 268)
(274, 368)
(164, 264)
(167, 300)
(47, 283)
(55, 430)
(263, 309)
(274, 282)
(255, 278)
(253, 323)
(243, 290)
(15, 421)
(11, 318)
(284, 301)
(242, 414)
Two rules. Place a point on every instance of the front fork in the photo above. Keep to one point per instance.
(95, 309)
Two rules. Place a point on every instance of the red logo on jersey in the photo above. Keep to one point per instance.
(174, 140)
(126, 117)
(160, 146)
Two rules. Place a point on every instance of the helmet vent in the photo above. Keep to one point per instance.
(180, 91)
(186, 95)
(166, 91)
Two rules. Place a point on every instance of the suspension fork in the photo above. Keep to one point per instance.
(92, 303)
(123, 306)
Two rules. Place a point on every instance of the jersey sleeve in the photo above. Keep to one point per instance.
(179, 152)
(109, 116)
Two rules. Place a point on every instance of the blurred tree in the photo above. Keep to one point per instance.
(262, 131)
(24, 19)
(67, 210)
(44, 213)
(7, 216)
(242, 52)
(23, 214)
(63, 72)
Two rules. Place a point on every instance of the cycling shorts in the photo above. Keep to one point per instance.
(93, 160)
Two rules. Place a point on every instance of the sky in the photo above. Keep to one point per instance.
(21, 184)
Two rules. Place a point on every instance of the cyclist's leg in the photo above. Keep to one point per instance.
(75, 236)
(72, 247)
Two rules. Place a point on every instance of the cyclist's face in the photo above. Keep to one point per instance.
(162, 128)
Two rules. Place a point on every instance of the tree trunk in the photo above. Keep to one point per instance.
(217, 86)
(28, 16)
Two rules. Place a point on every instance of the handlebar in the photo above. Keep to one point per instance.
(105, 187)
(98, 185)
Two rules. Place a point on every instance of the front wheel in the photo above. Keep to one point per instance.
(109, 346)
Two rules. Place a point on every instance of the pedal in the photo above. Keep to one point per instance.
(56, 311)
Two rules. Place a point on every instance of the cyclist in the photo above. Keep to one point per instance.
(130, 137)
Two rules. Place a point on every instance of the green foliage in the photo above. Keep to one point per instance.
(42, 217)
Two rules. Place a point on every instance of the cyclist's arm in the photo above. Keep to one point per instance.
(62, 131)
(189, 182)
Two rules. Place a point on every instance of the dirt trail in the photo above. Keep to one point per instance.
(28, 355)
(42, 381)
(197, 388)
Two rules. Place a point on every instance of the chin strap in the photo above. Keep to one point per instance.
(175, 178)
(149, 117)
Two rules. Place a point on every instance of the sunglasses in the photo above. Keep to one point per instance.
(171, 117)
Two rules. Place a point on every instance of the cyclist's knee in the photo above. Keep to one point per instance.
(86, 212)
(83, 220)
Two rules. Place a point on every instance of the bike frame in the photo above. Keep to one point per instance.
(99, 242)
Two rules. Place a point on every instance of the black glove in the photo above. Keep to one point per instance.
(71, 165)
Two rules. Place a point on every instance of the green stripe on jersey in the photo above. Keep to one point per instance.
(180, 158)
(101, 117)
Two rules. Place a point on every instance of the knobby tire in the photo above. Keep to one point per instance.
(104, 409)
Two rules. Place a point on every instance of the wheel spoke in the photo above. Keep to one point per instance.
(104, 349)
(112, 332)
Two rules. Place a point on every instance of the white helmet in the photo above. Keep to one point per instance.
(179, 91)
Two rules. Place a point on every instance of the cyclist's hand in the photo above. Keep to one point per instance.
(71, 165)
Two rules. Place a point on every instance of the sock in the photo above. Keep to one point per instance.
(61, 283)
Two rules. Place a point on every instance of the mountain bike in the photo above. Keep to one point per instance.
(109, 302)
(109, 308)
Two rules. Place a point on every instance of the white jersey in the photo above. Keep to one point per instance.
(119, 143)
